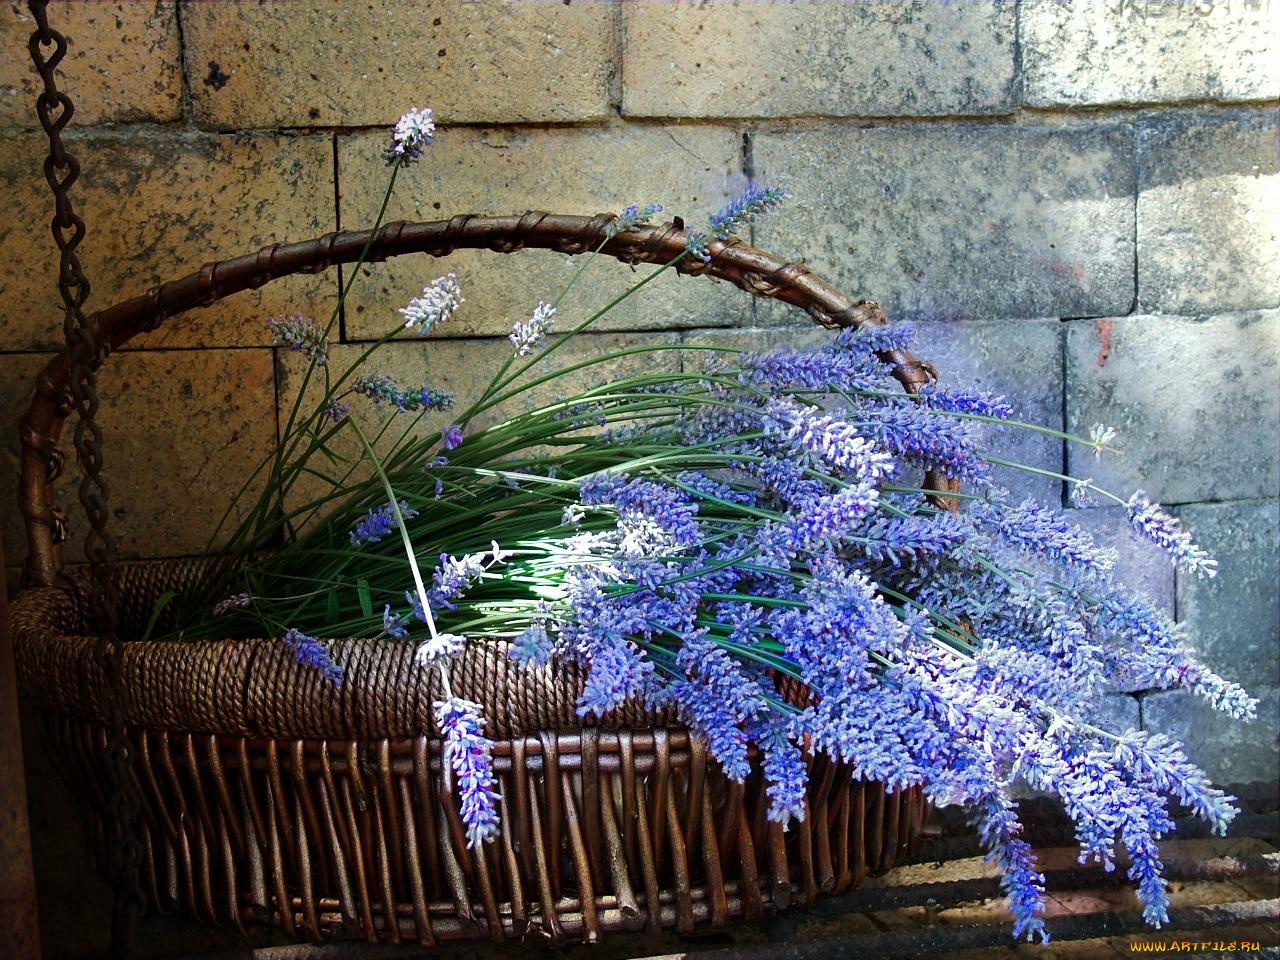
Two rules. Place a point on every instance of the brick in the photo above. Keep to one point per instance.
(1149, 51)
(1193, 401)
(328, 63)
(1229, 751)
(1021, 362)
(462, 367)
(179, 439)
(802, 59)
(1233, 620)
(1209, 212)
(960, 221)
(1118, 713)
(123, 62)
(580, 171)
(158, 206)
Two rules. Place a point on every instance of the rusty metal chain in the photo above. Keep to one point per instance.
(86, 350)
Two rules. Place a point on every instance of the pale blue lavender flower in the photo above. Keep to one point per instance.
(834, 440)
(827, 520)
(718, 700)
(531, 647)
(301, 335)
(469, 756)
(785, 774)
(633, 215)
(742, 209)
(527, 336)
(618, 672)
(747, 207)
(1150, 521)
(439, 299)
(378, 522)
(413, 131)
(964, 401)
(314, 654)
(1033, 528)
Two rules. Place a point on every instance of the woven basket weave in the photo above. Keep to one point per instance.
(270, 796)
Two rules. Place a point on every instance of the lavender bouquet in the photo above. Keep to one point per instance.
(694, 538)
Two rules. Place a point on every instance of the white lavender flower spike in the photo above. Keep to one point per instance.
(415, 130)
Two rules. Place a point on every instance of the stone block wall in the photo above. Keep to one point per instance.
(1078, 202)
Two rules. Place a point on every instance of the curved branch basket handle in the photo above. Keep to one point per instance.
(753, 270)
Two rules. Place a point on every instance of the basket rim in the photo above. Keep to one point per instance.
(754, 271)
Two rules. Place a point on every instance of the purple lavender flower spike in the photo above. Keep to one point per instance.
(718, 699)
(451, 436)
(619, 671)
(1036, 529)
(381, 388)
(393, 624)
(453, 577)
(826, 520)
(1164, 531)
(469, 755)
(786, 776)
(965, 401)
(747, 207)
(314, 654)
(632, 215)
(337, 411)
(834, 440)
(878, 338)
(378, 522)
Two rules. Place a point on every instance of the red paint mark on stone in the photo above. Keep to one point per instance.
(1104, 336)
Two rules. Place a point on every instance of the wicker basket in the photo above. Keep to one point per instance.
(271, 797)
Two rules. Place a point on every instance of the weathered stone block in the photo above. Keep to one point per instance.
(1021, 362)
(1193, 401)
(807, 58)
(960, 221)
(1209, 212)
(180, 437)
(464, 368)
(123, 62)
(157, 207)
(1149, 51)
(1229, 751)
(580, 171)
(1233, 620)
(330, 63)
(1118, 713)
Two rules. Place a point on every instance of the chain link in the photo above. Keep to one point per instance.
(86, 350)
